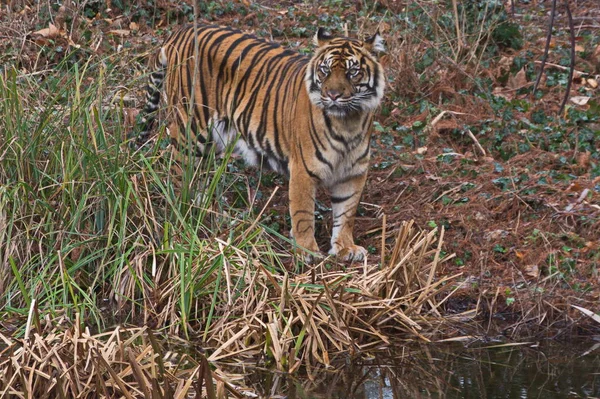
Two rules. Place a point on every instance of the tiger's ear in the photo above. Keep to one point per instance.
(375, 44)
(321, 38)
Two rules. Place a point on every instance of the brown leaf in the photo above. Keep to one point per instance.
(50, 32)
(501, 92)
(119, 32)
(596, 58)
(583, 160)
(579, 100)
(518, 81)
(129, 117)
(505, 63)
(532, 271)
(591, 246)
(134, 26)
(575, 187)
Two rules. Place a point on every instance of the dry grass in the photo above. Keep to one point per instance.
(311, 317)
(125, 362)
(293, 321)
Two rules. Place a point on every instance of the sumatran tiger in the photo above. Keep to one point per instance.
(306, 117)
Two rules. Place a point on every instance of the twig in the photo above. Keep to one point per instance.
(576, 74)
(457, 26)
(582, 196)
(477, 144)
(548, 37)
(572, 65)
(579, 27)
(595, 19)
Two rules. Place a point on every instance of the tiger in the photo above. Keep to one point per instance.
(308, 118)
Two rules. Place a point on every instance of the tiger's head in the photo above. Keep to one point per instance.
(344, 75)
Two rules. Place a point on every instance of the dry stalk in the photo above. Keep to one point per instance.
(297, 320)
(123, 363)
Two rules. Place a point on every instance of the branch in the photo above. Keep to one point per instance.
(548, 37)
(572, 65)
(576, 74)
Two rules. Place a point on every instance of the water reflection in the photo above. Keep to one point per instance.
(526, 371)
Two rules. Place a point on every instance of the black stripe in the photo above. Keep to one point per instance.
(310, 172)
(339, 200)
(362, 156)
(308, 228)
(225, 58)
(348, 178)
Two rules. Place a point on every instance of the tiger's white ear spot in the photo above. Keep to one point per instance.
(321, 38)
(379, 43)
(375, 43)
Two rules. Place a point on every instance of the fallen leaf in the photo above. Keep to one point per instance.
(129, 117)
(580, 100)
(495, 235)
(579, 48)
(505, 63)
(50, 32)
(532, 271)
(501, 92)
(433, 177)
(422, 150)
(518, 81)
(591, 246)
(384, 27)
(119, 32)
(583, 160)
(593, 83)
(588, 313)
(574, 187)
(596, 58)
(134, 26)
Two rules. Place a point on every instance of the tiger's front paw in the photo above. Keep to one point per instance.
(310, 258)
(309, 252)
(351, 253)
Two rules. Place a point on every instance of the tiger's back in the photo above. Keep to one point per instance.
(308, 118)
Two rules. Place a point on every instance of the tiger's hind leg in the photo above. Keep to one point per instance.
(344, 202)
(148, 115)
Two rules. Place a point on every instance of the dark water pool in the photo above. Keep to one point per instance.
(453, 371)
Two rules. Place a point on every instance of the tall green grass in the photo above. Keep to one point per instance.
(89, 226)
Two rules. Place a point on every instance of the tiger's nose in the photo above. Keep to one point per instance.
(334, 94)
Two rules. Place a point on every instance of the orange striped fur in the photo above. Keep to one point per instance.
(307, 118)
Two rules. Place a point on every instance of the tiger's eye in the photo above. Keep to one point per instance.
(354, 73)
(324, 69)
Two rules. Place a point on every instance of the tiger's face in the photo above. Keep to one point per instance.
(344, 75)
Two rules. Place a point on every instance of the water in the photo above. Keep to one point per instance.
(491, 372)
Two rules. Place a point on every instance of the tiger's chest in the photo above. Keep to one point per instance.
(330, 150)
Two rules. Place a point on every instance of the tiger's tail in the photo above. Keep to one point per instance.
(153, 91)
